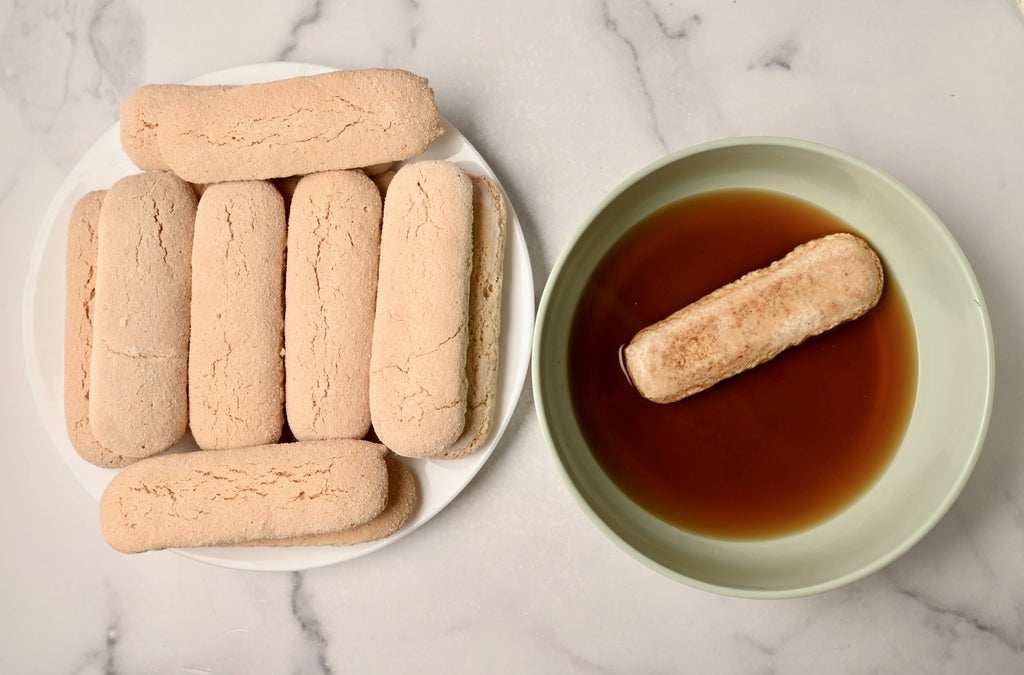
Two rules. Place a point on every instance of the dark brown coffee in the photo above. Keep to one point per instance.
(764, 453)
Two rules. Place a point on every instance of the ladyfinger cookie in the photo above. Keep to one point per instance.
(336, 120)
(80, 287)
(140, 119)
(383, 180)
(330, 295)
(815, 287)
(489, 222)
(418, 357)
(236, 369)
(138, 402)
(203, 498)
(403, 495)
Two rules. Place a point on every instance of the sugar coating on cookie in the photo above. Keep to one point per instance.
(140, 118)
(335, 120)
(418, 359)
(80, 288)
(236, 370)
(203, 498)
(138, 403)
(403, 496)
(331, 289)
(817, 286)
(489, 224)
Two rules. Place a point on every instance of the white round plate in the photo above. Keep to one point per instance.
(43, 325)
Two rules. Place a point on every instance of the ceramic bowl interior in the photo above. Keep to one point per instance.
(951, 407)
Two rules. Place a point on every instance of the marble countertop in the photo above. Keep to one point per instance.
(564, 100)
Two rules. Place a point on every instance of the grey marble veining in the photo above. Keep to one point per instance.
(564, 100)
(103, 657)
(309, 624)
(310, 17)
(82, 64)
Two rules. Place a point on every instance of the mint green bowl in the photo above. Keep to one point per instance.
(951, 407)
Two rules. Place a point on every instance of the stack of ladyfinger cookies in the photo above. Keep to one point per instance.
(286, 282)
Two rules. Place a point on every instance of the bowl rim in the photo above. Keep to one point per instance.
(953, 491)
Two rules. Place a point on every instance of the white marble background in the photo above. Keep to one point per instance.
(564, 99)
